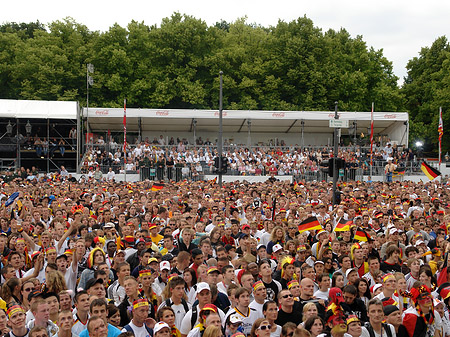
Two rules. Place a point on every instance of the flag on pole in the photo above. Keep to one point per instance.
(441, 133)
(371, 135)
(430, 172)
(309, 224)
(125, 127)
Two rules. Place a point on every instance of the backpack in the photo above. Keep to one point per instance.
(383, 326)
(129, 328)
(169, 303)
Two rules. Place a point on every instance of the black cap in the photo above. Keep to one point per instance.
(34, 294)
(93, 282)
(167, 257)
(50, 294)
(389, 309)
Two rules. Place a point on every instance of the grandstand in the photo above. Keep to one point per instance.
(195, 128)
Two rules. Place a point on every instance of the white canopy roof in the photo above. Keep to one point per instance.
(38, 109)
(159, 120)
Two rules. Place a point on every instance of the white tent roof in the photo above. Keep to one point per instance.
(101, 119)
(38, 109)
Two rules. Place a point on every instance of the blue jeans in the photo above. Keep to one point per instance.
(389, 177)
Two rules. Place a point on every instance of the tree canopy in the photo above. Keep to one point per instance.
(290, 66)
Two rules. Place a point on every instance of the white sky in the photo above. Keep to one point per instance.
(399, 27)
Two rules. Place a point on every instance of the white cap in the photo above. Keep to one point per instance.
(393, 230)
(202, 286)
(349, 271)
(235, 319)
(419, 242)
(164, 265)
(376, 287)
(276, 248)
(159, 326)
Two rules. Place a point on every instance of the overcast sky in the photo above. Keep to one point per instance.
(399, 27)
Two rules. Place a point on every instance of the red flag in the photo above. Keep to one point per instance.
(309, 224)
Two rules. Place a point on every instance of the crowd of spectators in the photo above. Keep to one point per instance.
(193, 259)
(256, 161)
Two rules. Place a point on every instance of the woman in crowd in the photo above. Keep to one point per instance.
(167, 315)
(270, 312)
(261, 328)
(362, 286)
(315, 325)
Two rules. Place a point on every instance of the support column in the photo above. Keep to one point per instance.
(249, 137)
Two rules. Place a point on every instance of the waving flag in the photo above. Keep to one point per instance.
(361, 235)
(430, 172)
(309, 224)
(343, 225)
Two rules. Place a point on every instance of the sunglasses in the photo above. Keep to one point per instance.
(265, 327)
(28, 290)
(286, 296)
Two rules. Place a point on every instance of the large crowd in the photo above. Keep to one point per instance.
(193, 259)
(241, 160)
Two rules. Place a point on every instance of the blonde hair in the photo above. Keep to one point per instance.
(55, 282)
(212, 331)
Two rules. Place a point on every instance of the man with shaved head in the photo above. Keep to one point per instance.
(306, 296)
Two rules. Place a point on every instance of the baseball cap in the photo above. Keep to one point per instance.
(419, 242)
(389, 309)
(34, 294)
(167, 257)
(375, 287)
(246, 226)
(393, 230)
(164, 265)
(90, 283)
(234, 319)
(258, 247)
(159, 326)
(212, 269)
(276, 248)
(202, 286)
(210, 307)
(349, 271)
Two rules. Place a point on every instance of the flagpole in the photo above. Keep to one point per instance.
(125, 139)
(440, 131)
(371, 141)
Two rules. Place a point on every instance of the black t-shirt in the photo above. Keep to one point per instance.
(295, 316)
(272, 290)
(390, 268)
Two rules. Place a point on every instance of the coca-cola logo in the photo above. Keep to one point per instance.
(224, 114)
(390, 116)
(278, 114)
(102, 112)
(162, 113)
(331, 115)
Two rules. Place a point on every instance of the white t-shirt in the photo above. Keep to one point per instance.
(179, 310)
(257, 307)
(186, 323)
(138, 331)
(323, 295)
(365, 333)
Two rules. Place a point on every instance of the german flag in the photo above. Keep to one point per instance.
(430, 172)
(399, 171)
(343, 225)
(157, 186)
(309, 224)
(361, 235)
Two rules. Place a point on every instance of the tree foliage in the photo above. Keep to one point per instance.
(290, 66)
(426, 88)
